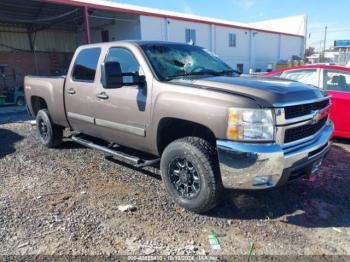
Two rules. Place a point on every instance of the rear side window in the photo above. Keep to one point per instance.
(86, 64)
(334, 80)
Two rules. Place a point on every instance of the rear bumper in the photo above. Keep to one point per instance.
(261, 166)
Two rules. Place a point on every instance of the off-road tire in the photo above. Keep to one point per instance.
(54, 133)
(203, 158)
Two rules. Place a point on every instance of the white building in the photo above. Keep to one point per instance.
(46, 32)
(244, 46)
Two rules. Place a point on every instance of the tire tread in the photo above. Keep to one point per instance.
(207, 155)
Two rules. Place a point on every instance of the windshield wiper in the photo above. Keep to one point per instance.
(205, 72)
(229, 71)
(214, 73)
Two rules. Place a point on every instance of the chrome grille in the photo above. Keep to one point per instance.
(305, 109)
(300, 132)
(297, 123)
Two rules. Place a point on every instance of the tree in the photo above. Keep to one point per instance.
(309, 51)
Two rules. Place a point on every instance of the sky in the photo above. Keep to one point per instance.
(333, 14)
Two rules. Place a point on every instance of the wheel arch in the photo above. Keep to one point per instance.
(38, 103)
(171, 128)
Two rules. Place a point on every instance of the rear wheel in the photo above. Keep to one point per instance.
(190, 172)
(49, 133)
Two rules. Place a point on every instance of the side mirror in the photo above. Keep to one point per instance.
(112, 76)
(133, 79)
(139, 80)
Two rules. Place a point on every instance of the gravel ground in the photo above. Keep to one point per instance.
(65, 202)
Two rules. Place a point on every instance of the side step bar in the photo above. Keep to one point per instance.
(135, 160)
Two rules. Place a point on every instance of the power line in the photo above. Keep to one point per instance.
(330, 31)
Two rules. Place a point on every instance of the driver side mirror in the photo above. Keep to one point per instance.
(113, 77)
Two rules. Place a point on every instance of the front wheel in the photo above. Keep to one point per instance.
(49, 133)
(190, 172)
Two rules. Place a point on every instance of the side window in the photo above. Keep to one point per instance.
(306, 76)
(232, 40)
(336, 80)
(86, 64)
(191, 36)
(128, 63)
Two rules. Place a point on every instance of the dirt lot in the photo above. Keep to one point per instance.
(65, 201)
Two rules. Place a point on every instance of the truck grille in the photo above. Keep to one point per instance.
(300, 132)
(305, 109)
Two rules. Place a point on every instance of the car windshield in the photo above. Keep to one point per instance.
(171, 61)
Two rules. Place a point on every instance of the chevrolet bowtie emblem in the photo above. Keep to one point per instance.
(318, 115)
(316, 118)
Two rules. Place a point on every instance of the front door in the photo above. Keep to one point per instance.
(80, 91)
(122, 114)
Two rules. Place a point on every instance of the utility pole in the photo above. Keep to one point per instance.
(325, 38)
(324, 43)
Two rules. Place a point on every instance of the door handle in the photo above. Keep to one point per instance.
(102, 95)
(71, 91)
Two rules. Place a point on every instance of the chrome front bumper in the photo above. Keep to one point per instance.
(261, 166)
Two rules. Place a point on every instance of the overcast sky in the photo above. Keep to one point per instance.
(334, 14)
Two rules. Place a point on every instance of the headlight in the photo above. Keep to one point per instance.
(250, 124)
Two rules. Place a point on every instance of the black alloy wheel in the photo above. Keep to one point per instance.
(184, 177)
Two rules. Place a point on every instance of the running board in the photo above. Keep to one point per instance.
(138, 162)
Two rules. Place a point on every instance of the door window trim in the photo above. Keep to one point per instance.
(81, 80)
(127, 49)
(332, 70)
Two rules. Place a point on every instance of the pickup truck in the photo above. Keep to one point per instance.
(182, 109)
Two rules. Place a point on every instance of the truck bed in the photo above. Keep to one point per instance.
(51, 89)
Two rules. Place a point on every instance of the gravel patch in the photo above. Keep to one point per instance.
(67, 201)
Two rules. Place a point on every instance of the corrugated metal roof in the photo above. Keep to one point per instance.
(52, 26)
(16, 39)
(37, 15)
(12, 38)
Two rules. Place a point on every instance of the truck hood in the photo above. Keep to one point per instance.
(267, 91)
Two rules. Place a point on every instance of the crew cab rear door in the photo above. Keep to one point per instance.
(122, 114)
(80, 90)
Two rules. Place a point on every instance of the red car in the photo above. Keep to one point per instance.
(333, 79)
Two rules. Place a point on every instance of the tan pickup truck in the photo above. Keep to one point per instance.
(182, 106)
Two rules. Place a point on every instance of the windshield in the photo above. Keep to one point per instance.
(171, 61)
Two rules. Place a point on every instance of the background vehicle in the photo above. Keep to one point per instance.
(10, 93)
(333, 79)
(182, 106)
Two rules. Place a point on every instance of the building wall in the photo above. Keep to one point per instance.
(119, 30)
(232, 55)
(153, 28)
(290, 46)
(253, 49)
(177, 32)
(266, 50)
(42, 63)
